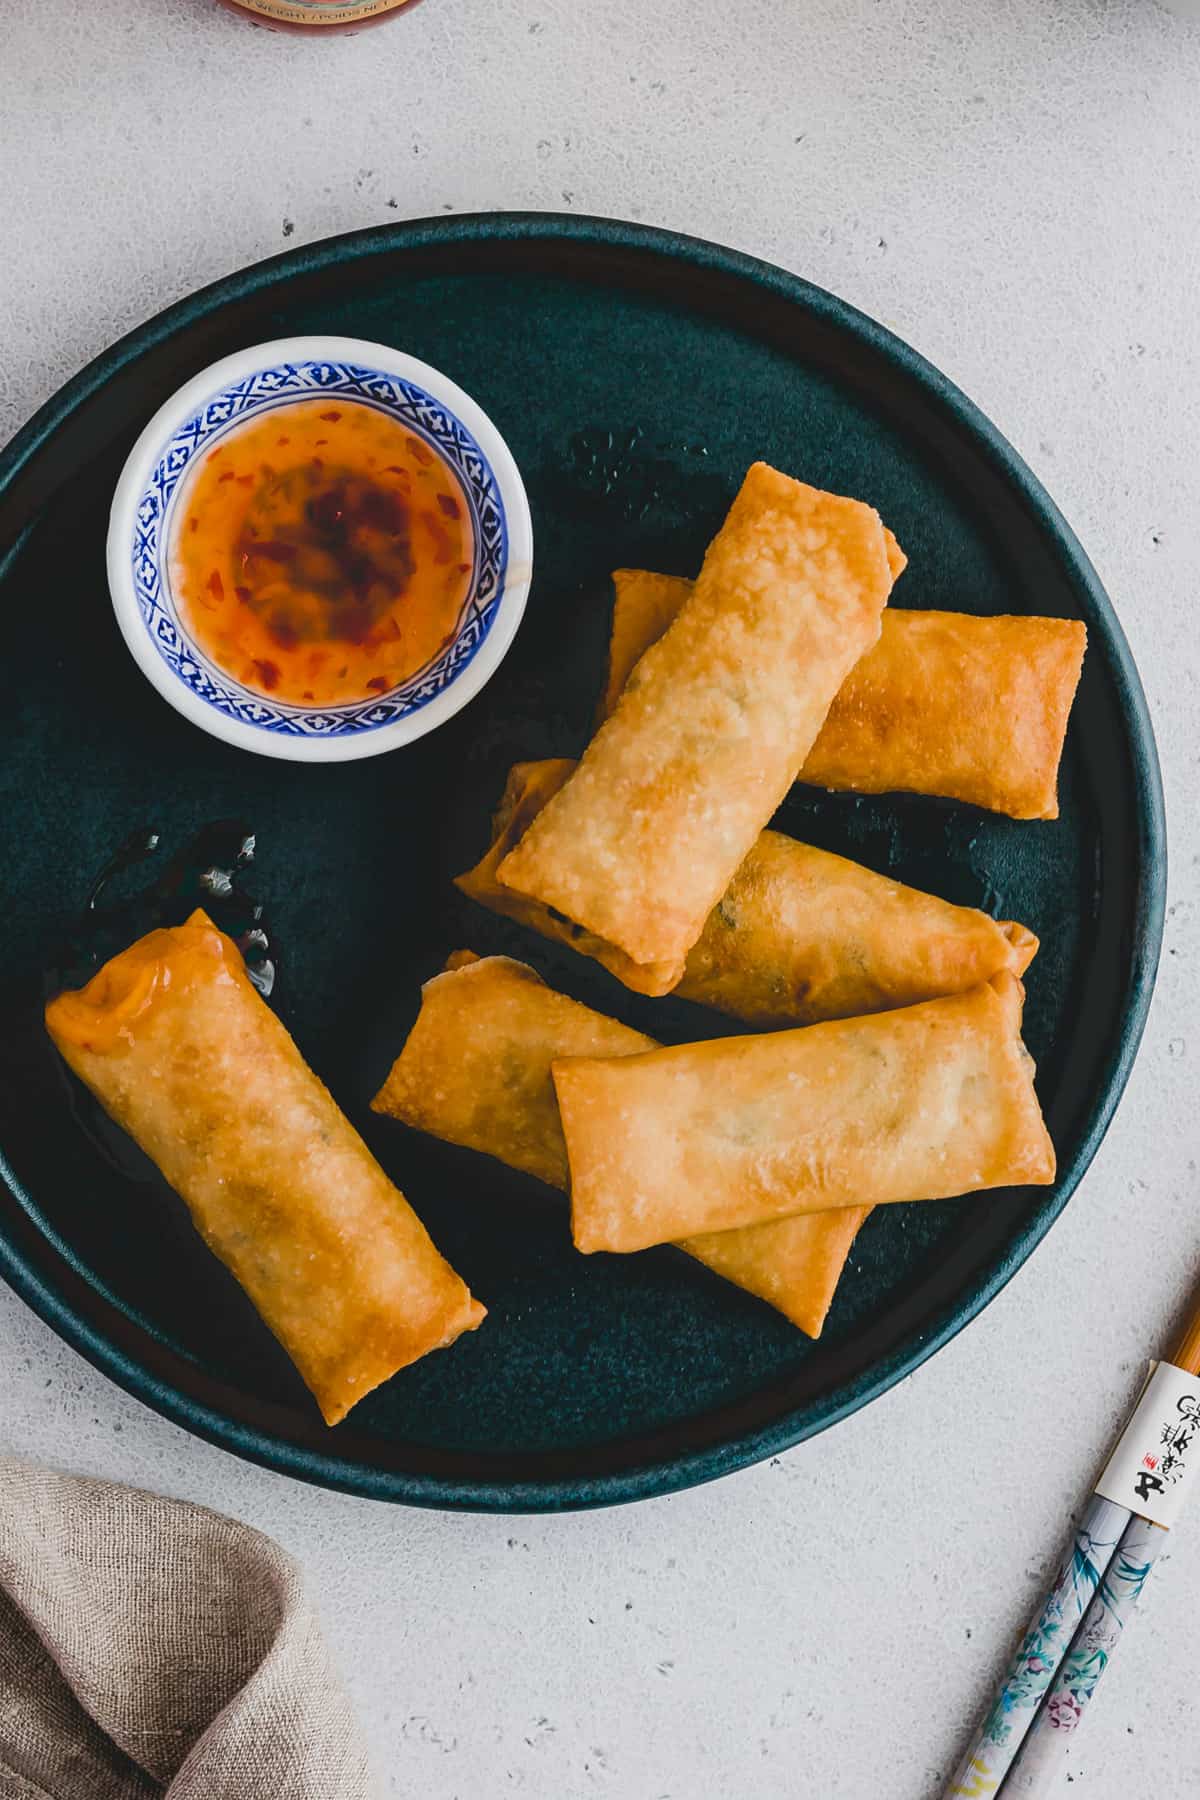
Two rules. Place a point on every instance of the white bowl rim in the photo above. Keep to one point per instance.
(135, 475)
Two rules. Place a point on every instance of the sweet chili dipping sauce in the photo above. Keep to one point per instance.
(321, 553)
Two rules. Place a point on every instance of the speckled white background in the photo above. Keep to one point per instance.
(1012, 185)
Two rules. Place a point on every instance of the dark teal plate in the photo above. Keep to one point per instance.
(635, 376)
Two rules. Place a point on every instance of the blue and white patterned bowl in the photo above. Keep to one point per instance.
(214, 403)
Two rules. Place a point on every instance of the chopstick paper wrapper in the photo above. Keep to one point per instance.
(1139, 1495)
(1153, 1468)
(1149, 1474)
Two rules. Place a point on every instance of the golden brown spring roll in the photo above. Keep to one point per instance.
(179, 1049)
(793, 1264)
(714, 724)
(799, 935)
(475, 1071)
(918, 1104)
(644, 605)
(945, 703)
(475, 1068)
(972, 709)
(529, 786)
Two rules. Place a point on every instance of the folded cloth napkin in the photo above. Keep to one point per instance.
(150, 1647)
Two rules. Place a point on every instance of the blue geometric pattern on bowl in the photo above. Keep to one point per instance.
(426, 418)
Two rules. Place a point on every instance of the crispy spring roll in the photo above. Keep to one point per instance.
(945, 703)
(475, 1068)
(712, 728)
(972, 709)
(799, 935)
(644, 605)
(529, 786)
(919, 1104)
(793, 1264)
(178, 1048)
(475, 1071)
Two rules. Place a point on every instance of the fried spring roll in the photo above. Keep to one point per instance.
(178, 1048)
(945, 703)
(712, 728)
(529, 786)
(802, 935)
(972, 709)
(644, 605)
(475, 1071)
(799, 935)
(920, 1104)
(475, 1068)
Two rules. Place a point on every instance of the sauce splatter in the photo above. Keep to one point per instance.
(322, 579)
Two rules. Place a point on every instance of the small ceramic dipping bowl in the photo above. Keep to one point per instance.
(151, 501)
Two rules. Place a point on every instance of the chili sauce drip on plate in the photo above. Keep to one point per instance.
(321, 553)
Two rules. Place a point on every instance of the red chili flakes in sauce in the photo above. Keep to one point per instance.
(322, 579)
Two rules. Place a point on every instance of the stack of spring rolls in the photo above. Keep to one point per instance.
(885, 1062)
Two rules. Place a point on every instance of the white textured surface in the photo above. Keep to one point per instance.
(1012, 185)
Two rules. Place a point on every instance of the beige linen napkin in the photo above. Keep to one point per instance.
(150, 1647)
